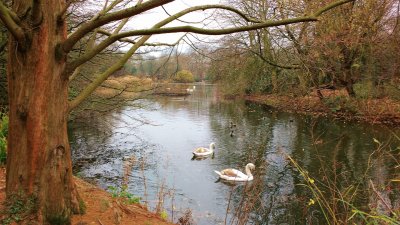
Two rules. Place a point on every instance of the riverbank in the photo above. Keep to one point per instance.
(376, 111)
(336, 103)
(101, 207)
(127, 87)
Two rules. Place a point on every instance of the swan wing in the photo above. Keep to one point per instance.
(230, 172)
(233, 175)
(199, 150)
(202, 151)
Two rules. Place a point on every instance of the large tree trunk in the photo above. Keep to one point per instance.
(39, 160)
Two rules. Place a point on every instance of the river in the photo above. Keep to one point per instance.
(148, 146)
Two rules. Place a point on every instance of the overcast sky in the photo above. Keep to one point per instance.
(152, 17)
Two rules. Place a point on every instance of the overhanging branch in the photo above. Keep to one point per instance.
(7, 17)
(107, 18)
(260, 25)
(197, 30)
(113, 37)
(127, 40)
(331, 6)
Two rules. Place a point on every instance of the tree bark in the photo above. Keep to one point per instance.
(350, 88)
(39, 168)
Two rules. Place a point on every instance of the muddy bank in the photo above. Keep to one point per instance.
(376, 111)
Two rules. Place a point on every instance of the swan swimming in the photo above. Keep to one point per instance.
(236, 175)
(204, 151)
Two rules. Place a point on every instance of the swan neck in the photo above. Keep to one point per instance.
(248, 172)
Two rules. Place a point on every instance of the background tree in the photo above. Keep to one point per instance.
(351, 47)
(270, 63)
(40, 69)
(184, 76)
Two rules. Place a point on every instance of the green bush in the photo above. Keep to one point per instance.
(3, 137)
(184, 76)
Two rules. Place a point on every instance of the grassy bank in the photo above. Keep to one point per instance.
(376, 111)
(127, 87)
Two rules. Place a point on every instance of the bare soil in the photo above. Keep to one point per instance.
(101, 207)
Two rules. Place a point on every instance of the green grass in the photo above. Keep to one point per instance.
(122, 193)
(82, 207)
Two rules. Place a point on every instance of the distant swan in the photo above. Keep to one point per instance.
(236, 175)
(189, 90)
(204, 151)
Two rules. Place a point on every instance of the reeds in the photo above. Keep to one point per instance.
(337, 204)
(336, 198)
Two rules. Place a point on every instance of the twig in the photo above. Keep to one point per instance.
(98, 220)
(380, 197)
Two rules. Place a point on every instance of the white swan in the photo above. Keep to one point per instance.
(204, 151)
(236, 175)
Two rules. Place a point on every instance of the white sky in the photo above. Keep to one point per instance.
(152, 17)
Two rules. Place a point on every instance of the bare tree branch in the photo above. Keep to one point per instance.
(197, 30)
(130, 41)
(104, 19)
(331, 6)
(115, 37)
(6, 16)
(265, 24)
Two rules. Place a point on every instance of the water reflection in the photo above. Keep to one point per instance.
(150, 149)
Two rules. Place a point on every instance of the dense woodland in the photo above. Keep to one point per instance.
(58, 54)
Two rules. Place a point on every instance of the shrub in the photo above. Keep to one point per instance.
(3, 137)
(184, 76)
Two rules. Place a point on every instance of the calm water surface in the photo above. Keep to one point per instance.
(148, 146)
